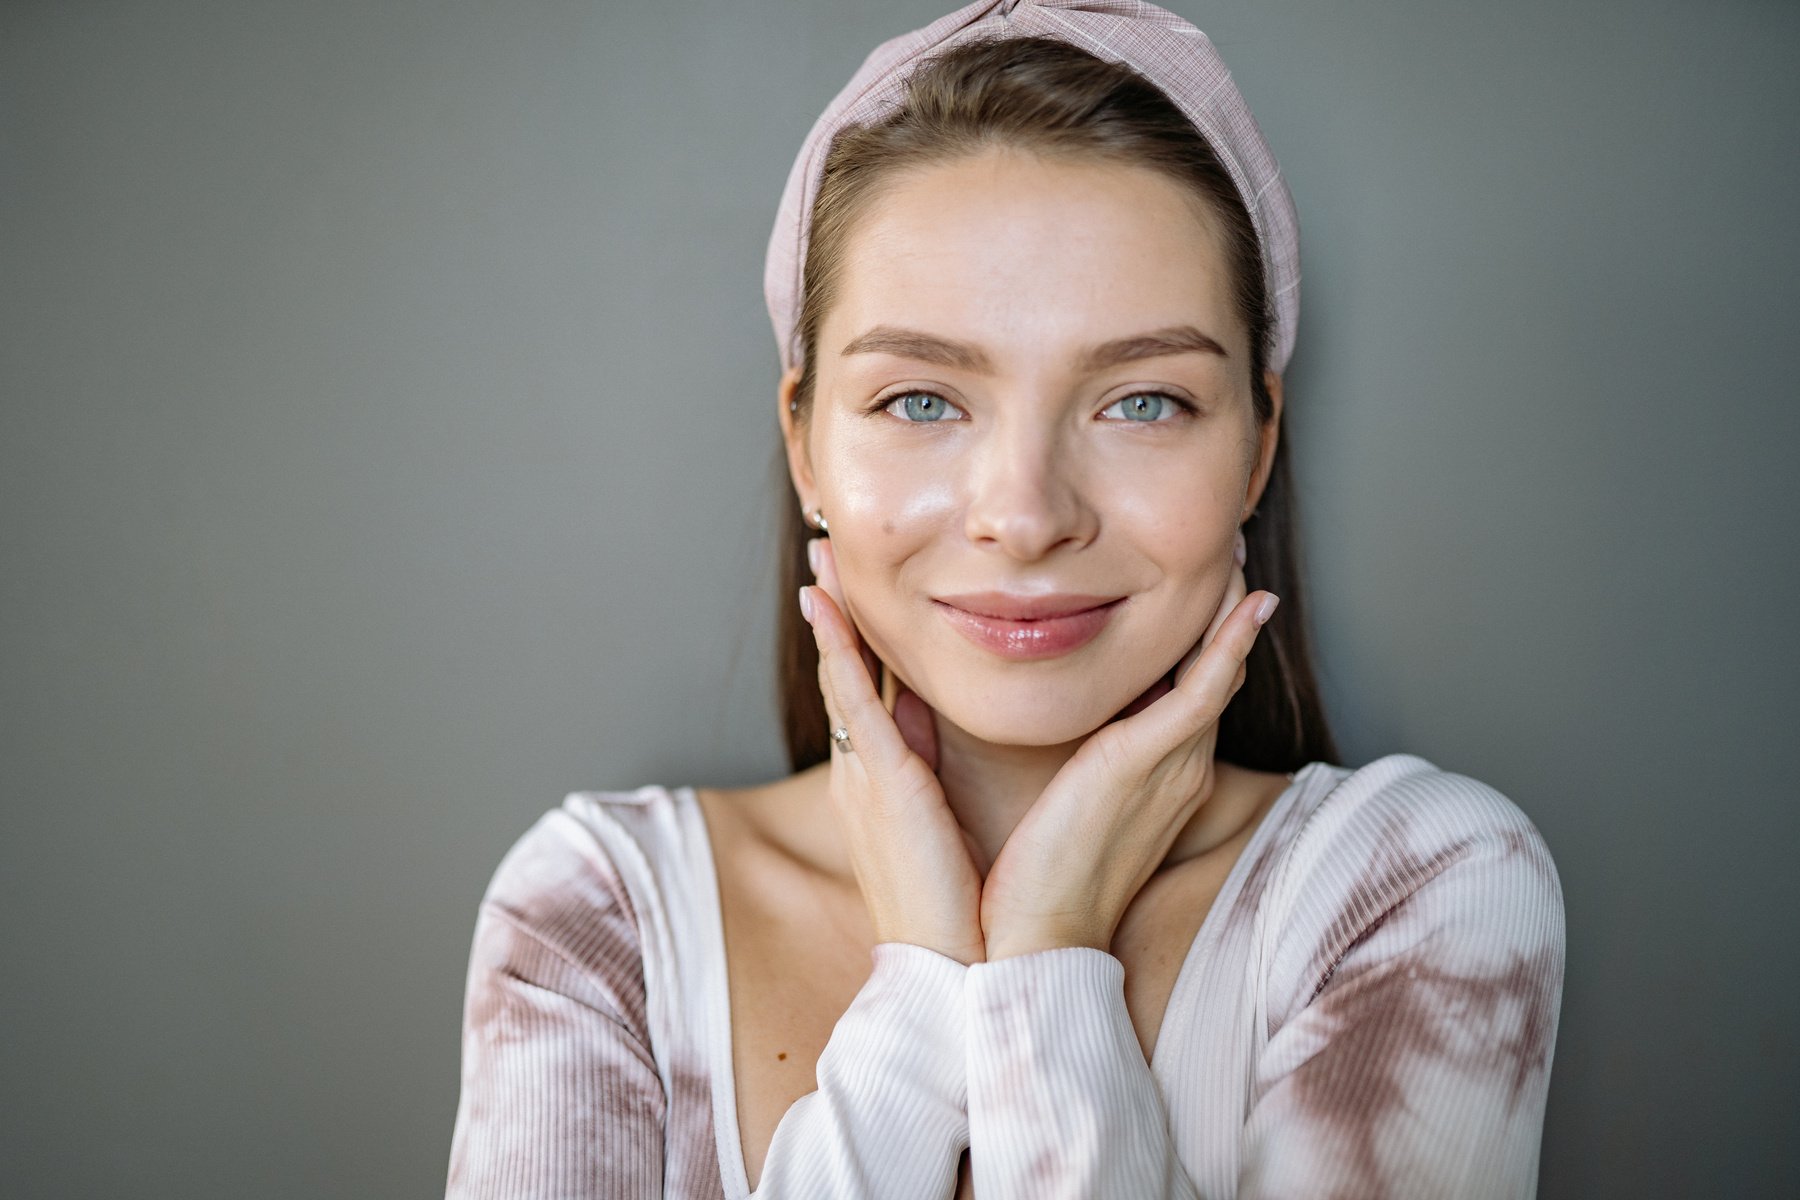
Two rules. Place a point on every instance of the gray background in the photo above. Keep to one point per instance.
(386, 451)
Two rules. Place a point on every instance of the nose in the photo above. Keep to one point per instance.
(1025, 493)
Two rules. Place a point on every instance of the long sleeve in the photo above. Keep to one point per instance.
(562, 1095)
(1061, 1101)
(560, 1092)
(1418, 951)
(888, 1118)
(1414, 1060)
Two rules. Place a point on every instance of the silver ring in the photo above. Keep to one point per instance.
(840, 740)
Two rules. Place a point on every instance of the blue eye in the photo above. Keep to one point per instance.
(921, 407)
(1147, 406)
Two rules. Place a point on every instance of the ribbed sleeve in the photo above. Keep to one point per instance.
(1414, 987)
(1369, 1010)
(888, 1117)
(1061, 1101)
(560, 1092)
(1418, 985)
(563, 1094)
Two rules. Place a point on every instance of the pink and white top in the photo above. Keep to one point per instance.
(1368, 1009)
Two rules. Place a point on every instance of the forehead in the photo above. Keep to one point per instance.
(1012, 247)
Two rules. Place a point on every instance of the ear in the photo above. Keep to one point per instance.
(793, 437)
(1267, 436)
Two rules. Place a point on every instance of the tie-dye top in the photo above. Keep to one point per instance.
(1368, 1010)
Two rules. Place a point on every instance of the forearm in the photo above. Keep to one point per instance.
(888, 1119)
(1060, 1099)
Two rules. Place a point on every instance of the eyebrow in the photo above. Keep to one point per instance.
(927, 347)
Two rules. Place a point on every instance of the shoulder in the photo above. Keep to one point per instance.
(1429, 855)
(563, 897)
(574, 856)
(1400, 820)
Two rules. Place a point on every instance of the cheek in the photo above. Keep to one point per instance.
(890, 495)
(1180, 520)
(876, 486)
(1175, 510)
(886, 511)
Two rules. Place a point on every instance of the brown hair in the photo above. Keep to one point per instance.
(1054, 99)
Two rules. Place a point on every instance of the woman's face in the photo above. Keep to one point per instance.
(1034, 383)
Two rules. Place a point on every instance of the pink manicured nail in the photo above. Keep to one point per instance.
(806, 605)
(1266, 608)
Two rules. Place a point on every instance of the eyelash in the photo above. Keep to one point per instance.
(888, 400)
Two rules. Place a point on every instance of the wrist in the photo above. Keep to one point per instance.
(1031, 941)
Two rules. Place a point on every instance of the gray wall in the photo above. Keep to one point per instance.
(385, 451)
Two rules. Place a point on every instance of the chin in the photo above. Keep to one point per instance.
(1029, 712)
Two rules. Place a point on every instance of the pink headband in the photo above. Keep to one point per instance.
(1159, 45)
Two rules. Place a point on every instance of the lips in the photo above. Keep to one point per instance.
(1028, 627)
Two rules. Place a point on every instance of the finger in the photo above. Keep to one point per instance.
(851, 692)
(825, 569)
(1202, 694)
(826, 695)
(1235, 588)
(827, 688)
(1214, 673)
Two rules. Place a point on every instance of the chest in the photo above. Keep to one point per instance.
(796, 960)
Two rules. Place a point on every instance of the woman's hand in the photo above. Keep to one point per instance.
(912, 859)
(1107, 819)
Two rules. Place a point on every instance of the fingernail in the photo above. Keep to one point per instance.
(806, 605)
(1239, 550)
(1266, 608)
(812, 554)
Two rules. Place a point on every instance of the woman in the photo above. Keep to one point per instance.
(1065, 896)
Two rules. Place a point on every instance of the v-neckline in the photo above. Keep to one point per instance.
(722, 1069)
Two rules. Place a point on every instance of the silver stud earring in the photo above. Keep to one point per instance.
(817, 517)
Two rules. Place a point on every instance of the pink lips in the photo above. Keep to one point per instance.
(1028, 627)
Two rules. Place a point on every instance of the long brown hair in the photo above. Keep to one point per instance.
(1055, 99)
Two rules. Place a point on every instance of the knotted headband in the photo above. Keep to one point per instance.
(1159, 45)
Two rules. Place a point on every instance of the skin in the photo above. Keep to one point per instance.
(1004, 807)
(1033, 476)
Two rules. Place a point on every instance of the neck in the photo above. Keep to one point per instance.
(990, 786)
